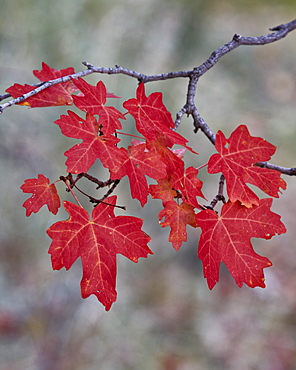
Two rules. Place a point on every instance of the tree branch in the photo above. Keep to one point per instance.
(283, 170)
(279, 32)
(237, 40)
(219, 196)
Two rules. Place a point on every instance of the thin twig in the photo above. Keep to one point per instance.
(109, 192)
(101, 184)
(71, 183)
(219, 196)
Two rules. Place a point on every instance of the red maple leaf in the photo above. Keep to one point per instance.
(42, 193)
(189, 186)
(93, 100)
(186, 186)
(163, 190)
(177, 217)
(173, 162)
(236, 159)
(152, 118)
(138, 163)
(59, 94)
(226, 238)
(82, 156)
(97, 241)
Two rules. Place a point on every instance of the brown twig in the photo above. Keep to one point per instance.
(71, 183)
(219, 196)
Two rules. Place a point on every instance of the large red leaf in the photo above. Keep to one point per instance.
(59, 94)
(236, 159)
(226, 238)
(82, 156)
(139, 163)
(42, 193)
(177, 217)
(93, 100)
(97, 241)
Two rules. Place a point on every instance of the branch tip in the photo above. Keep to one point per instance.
(277, 28)
(88, 65)
(236, 37)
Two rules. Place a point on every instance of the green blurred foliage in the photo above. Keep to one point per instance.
(165, 317)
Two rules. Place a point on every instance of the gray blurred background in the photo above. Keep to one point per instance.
(165, 317)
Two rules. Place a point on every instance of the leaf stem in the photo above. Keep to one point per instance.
(202, 166)
(137, 137)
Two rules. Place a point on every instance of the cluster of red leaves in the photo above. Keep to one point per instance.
(97, 240)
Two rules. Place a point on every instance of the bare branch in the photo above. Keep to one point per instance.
(283, 170)
(189, 107)
(197, 72)
(199, 123)
(139, 76)
(238, 40)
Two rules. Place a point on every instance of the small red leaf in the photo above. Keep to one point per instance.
(236, 159)
(163, 190)
(42, 193)
(189, 185)
(93, 100)
(59, 94)
(177, 217)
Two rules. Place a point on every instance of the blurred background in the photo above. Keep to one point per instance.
(165, 318)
